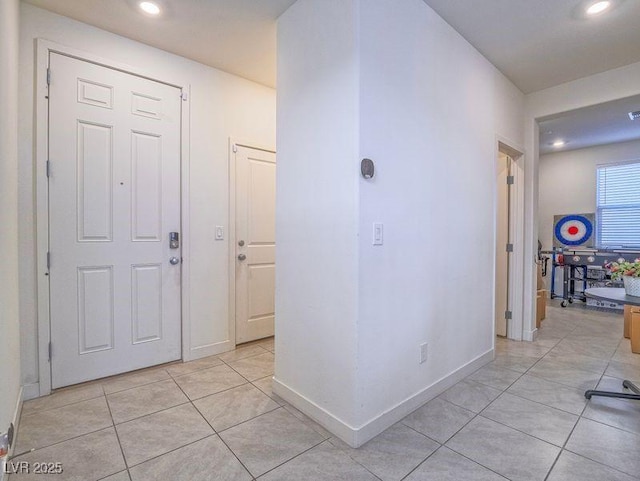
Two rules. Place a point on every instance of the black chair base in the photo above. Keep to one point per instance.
(621, 395)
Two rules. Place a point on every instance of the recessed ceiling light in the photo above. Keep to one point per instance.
(559, 143)
(598, 7)
(150, 8)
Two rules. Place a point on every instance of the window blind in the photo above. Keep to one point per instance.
(618, 205)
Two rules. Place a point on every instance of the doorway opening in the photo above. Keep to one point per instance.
(252, 242)
(508, 249)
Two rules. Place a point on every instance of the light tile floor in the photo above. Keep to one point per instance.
(521, 417)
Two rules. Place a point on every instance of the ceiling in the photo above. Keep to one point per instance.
(606, 123)
(536, 43)
(541, 43)
(237, 36)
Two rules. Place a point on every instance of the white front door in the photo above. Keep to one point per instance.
(255, 243)
(114, 197)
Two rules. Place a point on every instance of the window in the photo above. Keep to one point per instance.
(618, 205)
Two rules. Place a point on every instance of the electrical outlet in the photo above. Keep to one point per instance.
(423, 352)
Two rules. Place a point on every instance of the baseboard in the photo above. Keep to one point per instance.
(530, 335)
(210, 350)
(16, 424)
(31, 391)
(357, 436)
(334, 425)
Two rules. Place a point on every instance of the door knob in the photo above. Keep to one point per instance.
(242, 257)
(241, 243)
(174, 260)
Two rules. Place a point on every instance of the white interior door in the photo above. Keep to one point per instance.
(502, 239)
(114, 197)
(255, 243)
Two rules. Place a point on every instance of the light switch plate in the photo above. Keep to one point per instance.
(219, 232)
(423, 352)
(378, 234)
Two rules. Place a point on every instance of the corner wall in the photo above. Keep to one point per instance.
(221, 106)
(429, 110)
(317, 209)
(432, 109)
(9, 317)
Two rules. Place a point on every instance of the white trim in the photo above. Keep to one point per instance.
(231, 233)
(233, 143)
(212, 349)
(530, 335)
(185, 166)
(515, 329)
(43, 49)
(42, 215)
(31, 391)
(357, 436)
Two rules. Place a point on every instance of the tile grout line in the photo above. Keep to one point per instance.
(215, 433)
(296, 456)
(475, 462)
(115, 430)
(440, 446)
(476, 415)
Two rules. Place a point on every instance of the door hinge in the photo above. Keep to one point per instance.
(50, 351)
(48, 167)
(48, 76)
(184, 96)
(509, 247)
(511, 180)
(48, 260)
(508, 315)
(234, 148)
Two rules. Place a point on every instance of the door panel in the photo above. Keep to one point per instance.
(95, 308)
(114, 196)
(255, 230)
(95, 182)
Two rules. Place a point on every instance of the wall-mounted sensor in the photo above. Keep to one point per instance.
(367, 168)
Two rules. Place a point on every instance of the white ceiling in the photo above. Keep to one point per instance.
(536, 43)
(542, 43)
(237, 36)
(606, 123)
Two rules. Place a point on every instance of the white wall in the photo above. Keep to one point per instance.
(567, 182)
(429, 112)
(316, 204)
(596, 89)
(222, 105)
(9, 323)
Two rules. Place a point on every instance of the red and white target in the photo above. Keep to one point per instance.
(573, 230)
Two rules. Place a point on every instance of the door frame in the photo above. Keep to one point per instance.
(41, 136)
(515, 297)
(233, 144)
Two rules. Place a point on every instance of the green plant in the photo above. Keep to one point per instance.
(620, 269)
